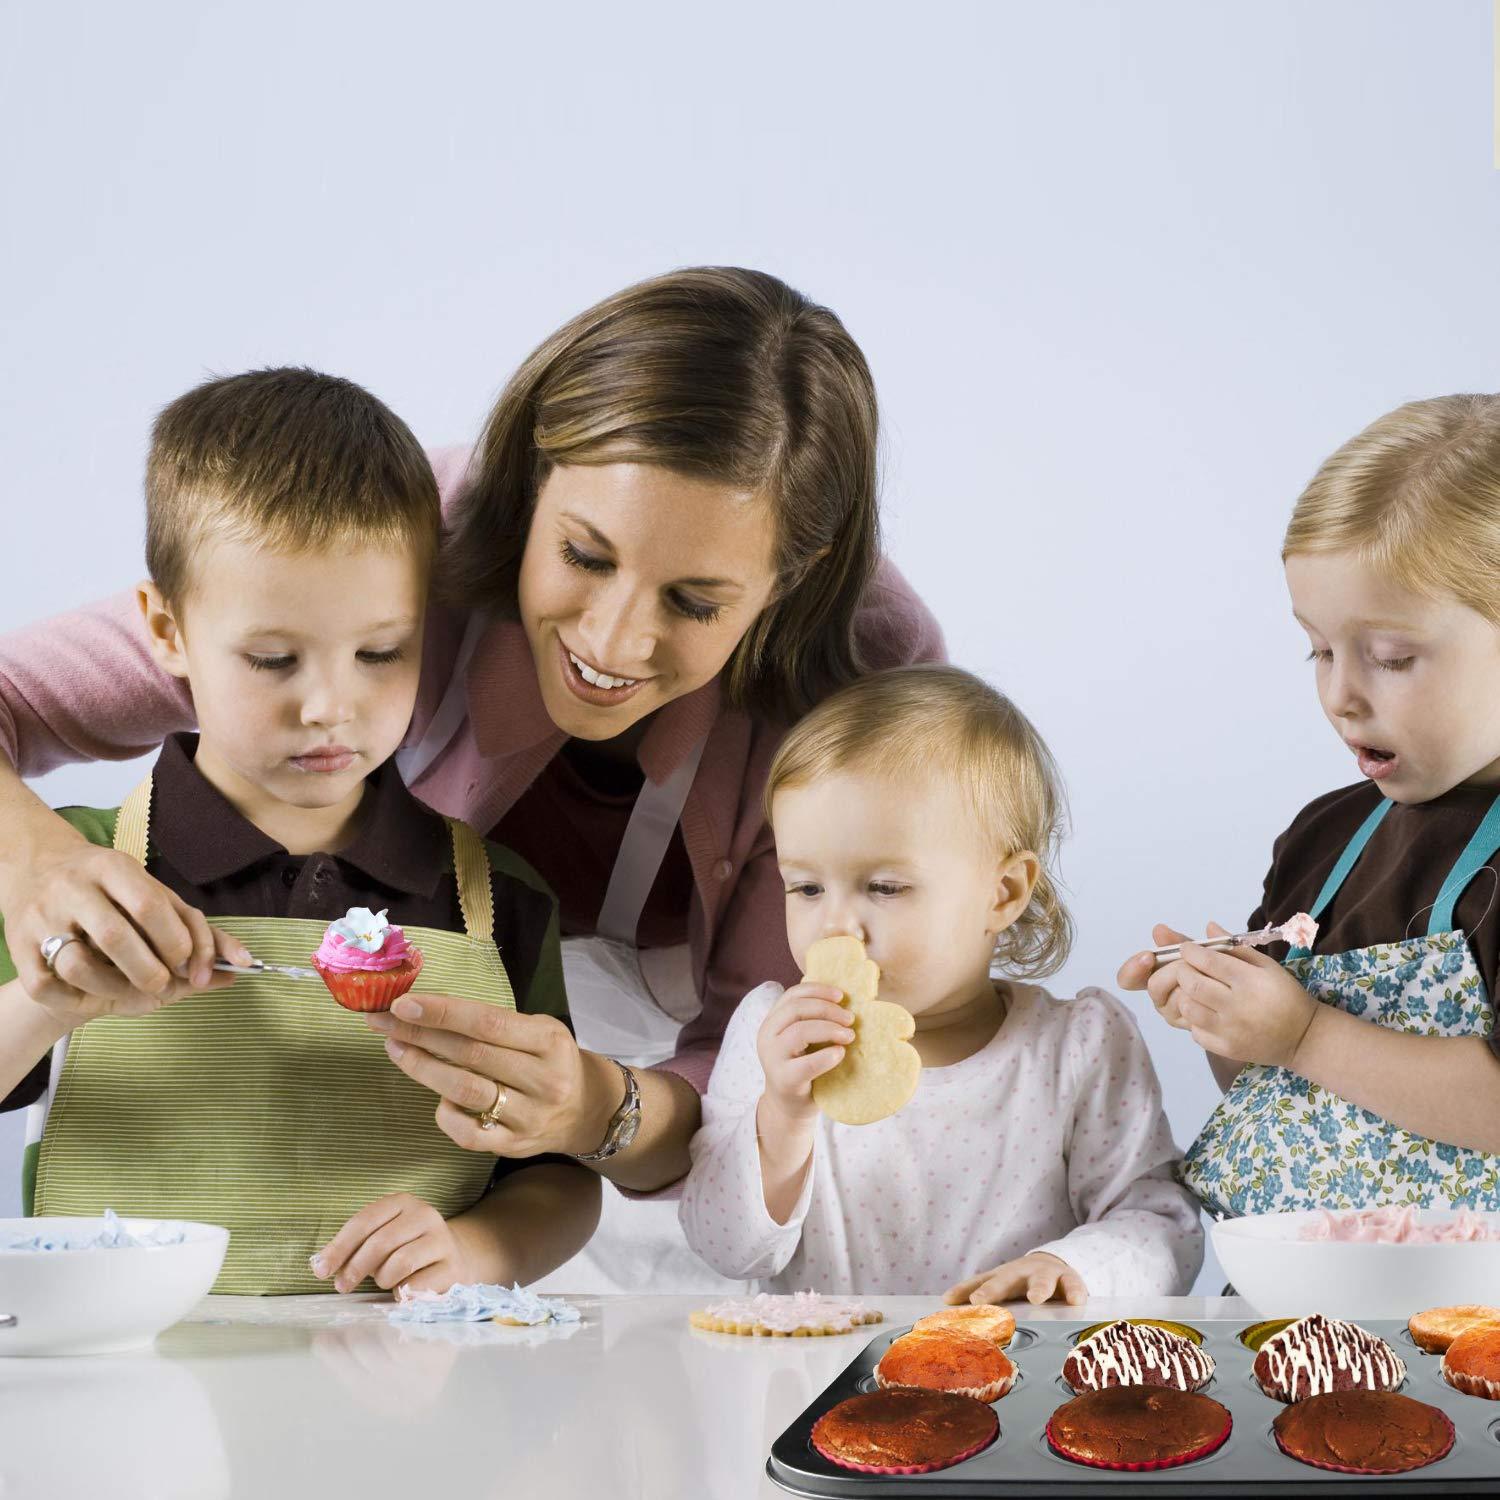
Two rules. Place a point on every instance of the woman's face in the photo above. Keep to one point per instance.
(636, 586)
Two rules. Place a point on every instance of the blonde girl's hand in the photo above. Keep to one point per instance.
(398, 1240)
(802, 1037)
(1039, 1277)
(1243, 1005)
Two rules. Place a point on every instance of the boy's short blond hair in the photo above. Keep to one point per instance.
(1416, 495)
(285, 458)
(923, 721)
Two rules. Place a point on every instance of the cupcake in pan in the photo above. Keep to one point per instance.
(1472, 1363)
(978, 1320)
(1316, 1355)
(1363, 1432)
(365, 961)
(954, 1362)
(904, 1432)
(1437, 1327)
(1123, 1353)
(1138, 1427)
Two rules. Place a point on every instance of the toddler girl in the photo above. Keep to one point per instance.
(916, 810)
(1365, 1072)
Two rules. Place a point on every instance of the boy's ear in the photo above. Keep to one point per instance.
(1015, 879)
(163, 631)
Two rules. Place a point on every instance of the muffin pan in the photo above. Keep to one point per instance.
(1019, 1461)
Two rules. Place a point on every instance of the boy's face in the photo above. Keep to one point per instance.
(903, 868)
(1410, 684)
(303, 666)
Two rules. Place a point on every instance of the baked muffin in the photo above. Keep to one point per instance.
(1124, 1353)
(938, 1361)
(978, 1320)
(1316, 1355)
(1363, 1432)
(1436, 1328)
(366, 961)
(1138, 1427)
(904, 1432)
(1472, 1363)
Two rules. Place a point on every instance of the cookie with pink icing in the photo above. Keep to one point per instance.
(784, 1315)
(366, 961)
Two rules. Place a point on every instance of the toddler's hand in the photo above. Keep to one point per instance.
(1242, 1004)
(807, 1016)
(1039, 1276)
(400, 1241)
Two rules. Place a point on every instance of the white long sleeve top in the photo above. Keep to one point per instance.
(1050, 1137)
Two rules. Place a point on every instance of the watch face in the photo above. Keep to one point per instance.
(628, 1128)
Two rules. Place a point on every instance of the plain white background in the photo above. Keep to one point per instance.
(1125, 273)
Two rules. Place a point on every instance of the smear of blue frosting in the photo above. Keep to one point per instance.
(476, 1302)
(114, 1236)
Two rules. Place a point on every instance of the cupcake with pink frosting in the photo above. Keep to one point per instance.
(365, 961)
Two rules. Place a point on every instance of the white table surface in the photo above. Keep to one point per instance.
(323, 1397)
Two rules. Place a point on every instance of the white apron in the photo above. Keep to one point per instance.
(625, 1003)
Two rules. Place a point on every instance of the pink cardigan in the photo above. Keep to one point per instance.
(82, 686)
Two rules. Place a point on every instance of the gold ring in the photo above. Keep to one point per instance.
(491, 1117)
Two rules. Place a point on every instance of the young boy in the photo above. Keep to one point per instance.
(292, 522)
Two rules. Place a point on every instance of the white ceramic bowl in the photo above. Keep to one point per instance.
(1284, 1276)
(100, 1301)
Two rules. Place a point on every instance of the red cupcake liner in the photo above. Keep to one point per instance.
(371, 989)
(1313, 1463)
(1175, 1462)
(945, 1463)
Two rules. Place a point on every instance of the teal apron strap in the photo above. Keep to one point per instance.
(1477, 854)
(1347, 860)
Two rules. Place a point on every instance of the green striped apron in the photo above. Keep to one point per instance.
(265, 1107)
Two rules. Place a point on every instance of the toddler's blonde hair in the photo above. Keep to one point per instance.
(1416, 495)
(924, 721)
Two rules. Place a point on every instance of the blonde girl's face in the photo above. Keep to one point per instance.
(1411, 684)
(636, 585)
(902, 867)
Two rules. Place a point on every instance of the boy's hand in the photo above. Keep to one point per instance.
(1039, 1277)
(807, 1016)
(400, 1241)
(1241, 1004)
(82, 986)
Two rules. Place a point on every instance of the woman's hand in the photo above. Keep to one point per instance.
(527, 1069)
(144, 946)
(1039, 1276)
(401, 1242)
(802, 1037)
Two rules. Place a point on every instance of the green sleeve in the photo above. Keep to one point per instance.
(545, 993)
(97, 825)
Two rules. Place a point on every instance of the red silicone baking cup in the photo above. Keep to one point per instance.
(1175, 1462)
(1313, 1463)
(371, 989)
(945, 1463)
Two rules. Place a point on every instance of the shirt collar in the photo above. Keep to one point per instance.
(400, 843)
(509, 715)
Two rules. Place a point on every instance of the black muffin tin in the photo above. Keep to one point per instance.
(1019, 1461)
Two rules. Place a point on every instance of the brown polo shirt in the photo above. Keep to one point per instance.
(1389, 893)
(401, 860)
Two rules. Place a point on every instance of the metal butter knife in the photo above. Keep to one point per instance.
(256, 966)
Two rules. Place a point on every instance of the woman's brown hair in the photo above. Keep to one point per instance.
(722, 374)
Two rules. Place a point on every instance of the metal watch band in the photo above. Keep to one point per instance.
(627, 1115)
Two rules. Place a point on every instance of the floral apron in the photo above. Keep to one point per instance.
(265, 1107)
(1278, 1143)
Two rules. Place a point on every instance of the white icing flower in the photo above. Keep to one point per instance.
(361, 928)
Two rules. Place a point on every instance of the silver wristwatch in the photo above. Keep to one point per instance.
(623, 1124)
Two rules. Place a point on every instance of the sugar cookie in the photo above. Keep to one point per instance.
(797, 1315)
(880, 1069)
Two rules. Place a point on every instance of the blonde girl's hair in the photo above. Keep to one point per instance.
(719, 373)
(914, 723)
(1416, 495)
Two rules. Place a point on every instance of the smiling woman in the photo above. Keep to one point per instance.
(663, 550)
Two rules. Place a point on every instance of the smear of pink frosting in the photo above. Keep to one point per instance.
(1398, 1226)
(336, 954)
